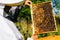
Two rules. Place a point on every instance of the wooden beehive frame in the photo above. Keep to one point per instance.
(31, 7)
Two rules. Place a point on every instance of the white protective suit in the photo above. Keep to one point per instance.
(8, 30)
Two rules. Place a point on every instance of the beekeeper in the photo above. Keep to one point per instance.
(8, 30)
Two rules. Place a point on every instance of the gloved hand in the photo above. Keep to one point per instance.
(28, 2)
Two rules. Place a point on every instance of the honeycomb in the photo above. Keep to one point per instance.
(43, 18)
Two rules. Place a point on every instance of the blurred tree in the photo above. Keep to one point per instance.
(25, 13)
(56, 3)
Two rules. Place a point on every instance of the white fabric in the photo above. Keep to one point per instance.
(6, 32)
(29, 39)
(9, 1)
(1, 9)
(1, 12)
(14, 29)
